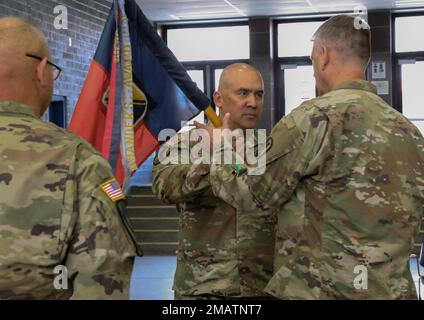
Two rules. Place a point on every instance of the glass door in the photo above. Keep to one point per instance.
(299, 86)
(295, 84)
(412, 79)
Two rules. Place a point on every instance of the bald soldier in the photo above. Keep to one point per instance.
(346, 173)
(221, 253)
(54, 212)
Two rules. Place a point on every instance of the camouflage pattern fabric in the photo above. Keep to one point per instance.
(52, 212)
(346, 173)
(222, 252)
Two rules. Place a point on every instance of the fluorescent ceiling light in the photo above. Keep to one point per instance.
(235, 8)
(311, 5)
(352, 6)
(205, 14)
(173, 16)
(409, 3)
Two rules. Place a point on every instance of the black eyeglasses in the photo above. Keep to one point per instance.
(56, 69)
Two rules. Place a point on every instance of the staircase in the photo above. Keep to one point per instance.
(419, 242)
(155, 224)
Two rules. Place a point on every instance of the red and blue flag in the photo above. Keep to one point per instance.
(135, 88)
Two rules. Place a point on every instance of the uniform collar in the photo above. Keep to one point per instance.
(359, 85)
(16, 107)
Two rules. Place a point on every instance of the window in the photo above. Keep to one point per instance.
(294, 79)
(412, 89)
(408, 34)
(409, 67)
(299, 86)
(198, 77)
(218, 73)
(413, 93)
(294, 39)
(209, 44)
(206, 50)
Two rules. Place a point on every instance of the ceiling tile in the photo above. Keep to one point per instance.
(166, 10)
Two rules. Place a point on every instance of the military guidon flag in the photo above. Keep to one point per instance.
(135, 88)
(113, 190)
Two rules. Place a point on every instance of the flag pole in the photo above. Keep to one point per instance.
(212, 116)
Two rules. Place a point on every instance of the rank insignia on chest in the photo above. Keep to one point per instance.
(112, 190)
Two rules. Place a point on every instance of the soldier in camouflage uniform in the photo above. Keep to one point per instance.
(221, 253)
(346, 173)
(52, 209)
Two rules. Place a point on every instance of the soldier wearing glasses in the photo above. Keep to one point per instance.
(53, 207)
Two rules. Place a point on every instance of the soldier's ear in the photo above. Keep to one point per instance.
(217, 98)
(42, 73)
(325, 56)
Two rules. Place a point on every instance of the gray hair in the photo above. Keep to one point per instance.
(349, 35)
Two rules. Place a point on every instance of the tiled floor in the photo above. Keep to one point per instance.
(413, 265)
(153, 275)
(152, 278)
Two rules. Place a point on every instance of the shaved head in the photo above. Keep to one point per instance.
(227, 76)
(18, 37)
(23, 79)
(240, 93)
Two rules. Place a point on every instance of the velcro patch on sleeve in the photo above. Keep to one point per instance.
(112, 190)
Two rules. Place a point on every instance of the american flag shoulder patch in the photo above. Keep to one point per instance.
(112, 190)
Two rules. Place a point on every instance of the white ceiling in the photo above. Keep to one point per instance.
(175, 10)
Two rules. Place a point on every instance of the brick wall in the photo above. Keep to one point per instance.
(72, 49)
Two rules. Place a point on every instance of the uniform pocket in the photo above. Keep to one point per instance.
(117, 224)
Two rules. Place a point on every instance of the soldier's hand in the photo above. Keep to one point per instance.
(215, 139)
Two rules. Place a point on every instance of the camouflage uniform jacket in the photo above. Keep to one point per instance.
(53, 213)
(346, 173)
(221, 252)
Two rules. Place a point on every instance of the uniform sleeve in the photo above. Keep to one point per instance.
(293, 150)
(175, 180)
(101, 253)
